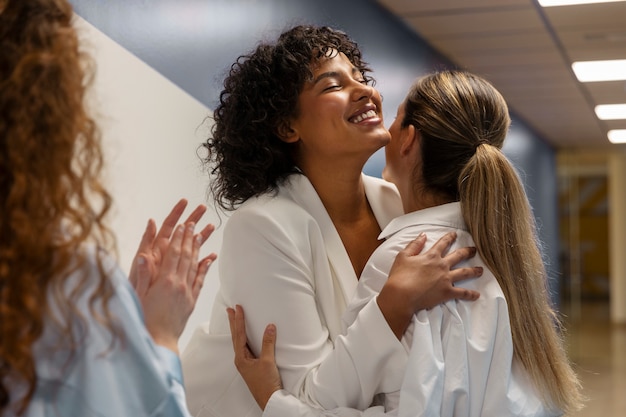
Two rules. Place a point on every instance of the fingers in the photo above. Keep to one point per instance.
(465, 294)
(443, 244)
(455, 257)
(197, 214)
(240, 322)
(415, 246)
(203, 269)
(172, 254)
(197, 277)
(206, 233)
(187, 266)
(180, 249)
(198, 241)
(148, 237)
(459, 255)
(268, 346)
(142, 276)
(192, 270)
(461, 274)
(236, 321)
(174, 216)
(233, 327)
(144, 248)
(172, 219)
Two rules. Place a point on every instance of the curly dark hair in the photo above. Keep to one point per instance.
(260, 95)
(51, 197)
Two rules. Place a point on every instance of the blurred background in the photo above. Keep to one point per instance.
(160, 64)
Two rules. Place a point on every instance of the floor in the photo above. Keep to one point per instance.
(598, 349)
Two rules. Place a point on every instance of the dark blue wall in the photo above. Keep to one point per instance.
(193, 43)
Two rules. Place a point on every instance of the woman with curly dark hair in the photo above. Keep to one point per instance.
(296, 122)
(73, 340)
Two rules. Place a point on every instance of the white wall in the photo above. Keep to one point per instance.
(151, 131)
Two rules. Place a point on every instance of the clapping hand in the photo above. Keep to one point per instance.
(167, 275)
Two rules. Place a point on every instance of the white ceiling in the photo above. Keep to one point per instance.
(526, 51)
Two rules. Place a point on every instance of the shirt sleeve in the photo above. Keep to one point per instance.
(283, 404)
(156, 362)
(119, 373)
(171, 362)
(279, 272)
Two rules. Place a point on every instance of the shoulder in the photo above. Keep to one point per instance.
(383, 188)
(286, 197)
(103, 269)
(79, 304)
(265, 215)
(100, 288)
(271, 205)
(293, 206)
(91, 269)
(379, 183)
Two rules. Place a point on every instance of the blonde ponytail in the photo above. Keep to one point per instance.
(498, 216)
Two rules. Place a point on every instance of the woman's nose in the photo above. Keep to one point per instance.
(363, 91)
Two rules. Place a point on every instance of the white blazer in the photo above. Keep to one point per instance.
(283, 261)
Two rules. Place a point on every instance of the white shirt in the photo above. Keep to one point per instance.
(283, 261)
(461, 353)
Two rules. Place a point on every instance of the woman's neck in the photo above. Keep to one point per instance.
(343, 196)
(339, 185)
(419, 200)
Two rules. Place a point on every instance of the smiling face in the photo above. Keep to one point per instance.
(340, 117)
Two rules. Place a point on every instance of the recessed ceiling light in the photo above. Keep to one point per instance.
(611, 70)
(611, 111)
(617, 136)
(549, 3)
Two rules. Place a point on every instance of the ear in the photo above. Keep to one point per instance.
(286, 133)
(410, 140)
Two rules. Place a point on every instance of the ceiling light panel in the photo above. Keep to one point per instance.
(611, 111)
(617, 136)
(550, 3)
(591, 71)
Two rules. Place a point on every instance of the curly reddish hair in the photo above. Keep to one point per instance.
(51, 198)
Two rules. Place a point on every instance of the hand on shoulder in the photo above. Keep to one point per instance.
(420, 281)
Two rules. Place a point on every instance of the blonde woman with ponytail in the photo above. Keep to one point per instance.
(503, 354)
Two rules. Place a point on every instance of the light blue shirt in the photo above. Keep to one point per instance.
(132, 377)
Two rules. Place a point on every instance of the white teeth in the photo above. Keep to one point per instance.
(363, 116)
